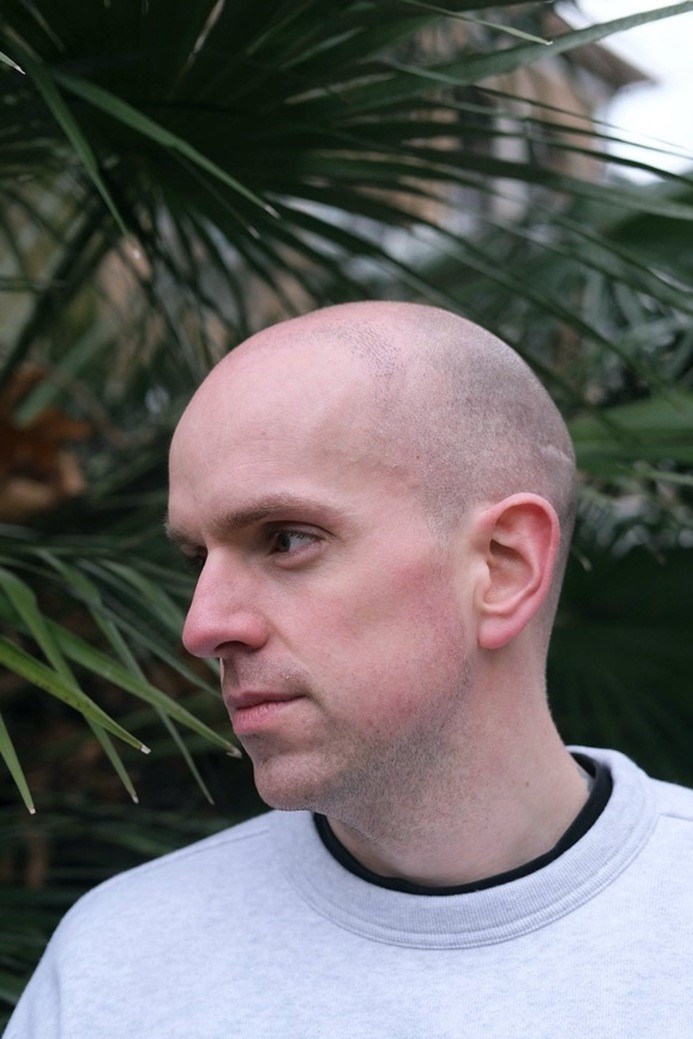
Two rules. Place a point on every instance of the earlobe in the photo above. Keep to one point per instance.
(519, 540)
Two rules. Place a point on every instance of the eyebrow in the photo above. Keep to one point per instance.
(266, 508)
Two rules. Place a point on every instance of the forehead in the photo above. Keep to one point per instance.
(271, 395)
(276, 420)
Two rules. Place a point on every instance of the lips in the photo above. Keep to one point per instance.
(252, 711)
(241, 701)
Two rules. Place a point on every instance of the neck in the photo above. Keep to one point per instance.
(497, 815)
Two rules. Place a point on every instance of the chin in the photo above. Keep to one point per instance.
(292, 789)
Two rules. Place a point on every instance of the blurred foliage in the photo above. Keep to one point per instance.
(175, 177)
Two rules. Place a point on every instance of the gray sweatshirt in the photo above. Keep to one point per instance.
(260, 933)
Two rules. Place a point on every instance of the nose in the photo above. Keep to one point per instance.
(224, 612)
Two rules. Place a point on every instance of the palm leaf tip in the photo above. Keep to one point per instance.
(6, 60)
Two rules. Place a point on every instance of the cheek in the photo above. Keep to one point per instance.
(411, 602)
(398, 632)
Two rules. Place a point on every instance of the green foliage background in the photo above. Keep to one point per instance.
(176, 176)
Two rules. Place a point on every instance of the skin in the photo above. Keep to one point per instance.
(380, 607)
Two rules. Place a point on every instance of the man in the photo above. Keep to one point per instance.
(379, 499)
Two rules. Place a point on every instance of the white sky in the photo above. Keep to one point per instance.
(664, 50)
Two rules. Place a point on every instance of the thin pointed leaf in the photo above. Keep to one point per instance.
(186, 755)
(94, 660)
(92, 596)
(511, 30)
(139, 586)
(13, 64)
(10, 758)
(115, 759)
(87, 592)
(33, 671)
(24, 601)
(51, 95)
(136, 120)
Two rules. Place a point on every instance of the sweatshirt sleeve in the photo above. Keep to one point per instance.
(38, 1012)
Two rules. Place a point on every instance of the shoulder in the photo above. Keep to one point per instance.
(181, 882)
(157, 933)
(664, 809)
(675, 802)
(233, 844)
(661, 800)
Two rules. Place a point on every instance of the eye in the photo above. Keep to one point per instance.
(291, 542)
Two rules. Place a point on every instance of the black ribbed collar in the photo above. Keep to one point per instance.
(588, 815)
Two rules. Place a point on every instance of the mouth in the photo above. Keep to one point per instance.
(253, 711)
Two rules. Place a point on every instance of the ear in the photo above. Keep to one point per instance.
(518, 539)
